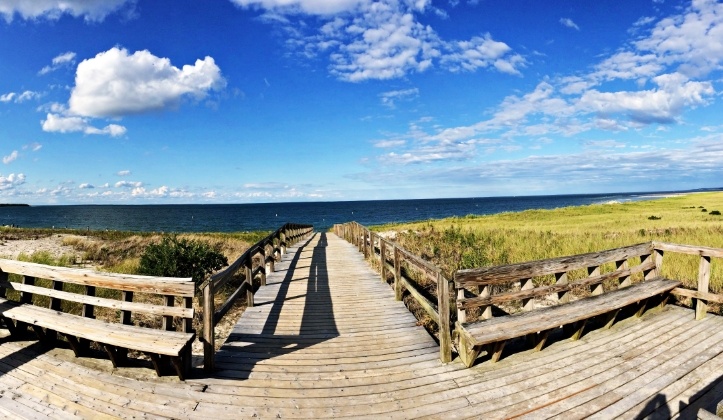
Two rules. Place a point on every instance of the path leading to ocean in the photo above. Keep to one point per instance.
(327, 339)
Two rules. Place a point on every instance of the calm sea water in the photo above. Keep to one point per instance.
(247, 217)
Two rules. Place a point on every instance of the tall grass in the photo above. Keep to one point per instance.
(479, 241)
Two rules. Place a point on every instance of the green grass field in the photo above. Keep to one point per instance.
(478, 241)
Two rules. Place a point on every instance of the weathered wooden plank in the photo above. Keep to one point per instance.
(542, 291)
(146, 284)
(512, 272)
(98, 301)
(689, 249)
(517, 325)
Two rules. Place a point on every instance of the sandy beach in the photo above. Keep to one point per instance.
(11, 248)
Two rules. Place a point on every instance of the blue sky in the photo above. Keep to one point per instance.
(237, 101)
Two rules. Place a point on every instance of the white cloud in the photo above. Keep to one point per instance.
(11, 157)
(64, 59)
(115, 83)
(90, 10)
(19, 98)
(125, 172)
(128, 184)
(380, 40)
(661, 105)
(86, 186)
(316, 7)
(33, 146)
(569, 23)
(56, 123)
(389, 98)
(11, 181)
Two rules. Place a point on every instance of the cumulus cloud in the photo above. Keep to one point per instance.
(86, 186)
(482, 52)
(11, 181)
(125, 172)
(11, 157)
(116, 83)
(62, 60)
(90, 10)
(569, 23)
(57, 123)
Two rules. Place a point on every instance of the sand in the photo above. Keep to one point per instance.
(53, 244)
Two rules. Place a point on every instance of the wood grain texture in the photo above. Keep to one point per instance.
(326, 339)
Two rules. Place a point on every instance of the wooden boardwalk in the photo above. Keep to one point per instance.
(327, 339)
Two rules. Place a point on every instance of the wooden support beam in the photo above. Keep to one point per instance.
(527, 304)
(579, 329)
(445, 332)
(595, 289)
(496, 351)
(701, 307)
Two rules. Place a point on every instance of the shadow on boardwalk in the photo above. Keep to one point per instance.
(243, 350)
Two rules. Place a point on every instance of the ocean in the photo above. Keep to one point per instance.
(269, 216)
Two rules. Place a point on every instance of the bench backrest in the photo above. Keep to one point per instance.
(526, 281)
(149, 301)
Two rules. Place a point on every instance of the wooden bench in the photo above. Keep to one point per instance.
(52, 300)
(516, 282)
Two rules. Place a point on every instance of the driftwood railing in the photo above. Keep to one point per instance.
(257, 261)
(398, 261)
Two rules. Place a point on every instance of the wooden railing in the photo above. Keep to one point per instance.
(402, 263)
(701, 296)
(525, 282)
(257, 261)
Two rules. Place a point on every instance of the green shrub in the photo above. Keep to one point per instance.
(654, 218)
(174, 257)
(715, 213)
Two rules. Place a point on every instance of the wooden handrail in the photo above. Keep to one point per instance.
(271, 248)
(438, 311)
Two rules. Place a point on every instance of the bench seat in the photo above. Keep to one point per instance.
(473, 335)
(148, 340)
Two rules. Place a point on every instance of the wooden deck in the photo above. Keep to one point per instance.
(327, 339)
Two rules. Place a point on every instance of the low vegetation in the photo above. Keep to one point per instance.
(180, 257)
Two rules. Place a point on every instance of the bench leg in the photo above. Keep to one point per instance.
(467, 352)
(496, 352)
(10, 324)
(47, 337)
(80, 346)
(117, 356)
(611, 319)
(179, 365)
(642, 305)
(579, 328)
(540, 339)
(159, 363)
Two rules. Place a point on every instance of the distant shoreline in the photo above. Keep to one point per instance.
(13, 205)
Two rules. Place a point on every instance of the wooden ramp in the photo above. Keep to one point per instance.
(327, 339)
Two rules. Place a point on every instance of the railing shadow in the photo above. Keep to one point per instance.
(242, 351)
(21, 356)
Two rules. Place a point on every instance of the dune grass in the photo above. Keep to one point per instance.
(479, 241)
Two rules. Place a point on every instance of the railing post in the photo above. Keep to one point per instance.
(382, 259)
(365, 246)
(397, 274)
(701, 306)
(658, 254)
(209, 344)
(445, 333)
(250, 280)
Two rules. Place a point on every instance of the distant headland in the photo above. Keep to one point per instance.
(13, 205)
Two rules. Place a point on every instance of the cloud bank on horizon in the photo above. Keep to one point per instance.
(288, 100)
